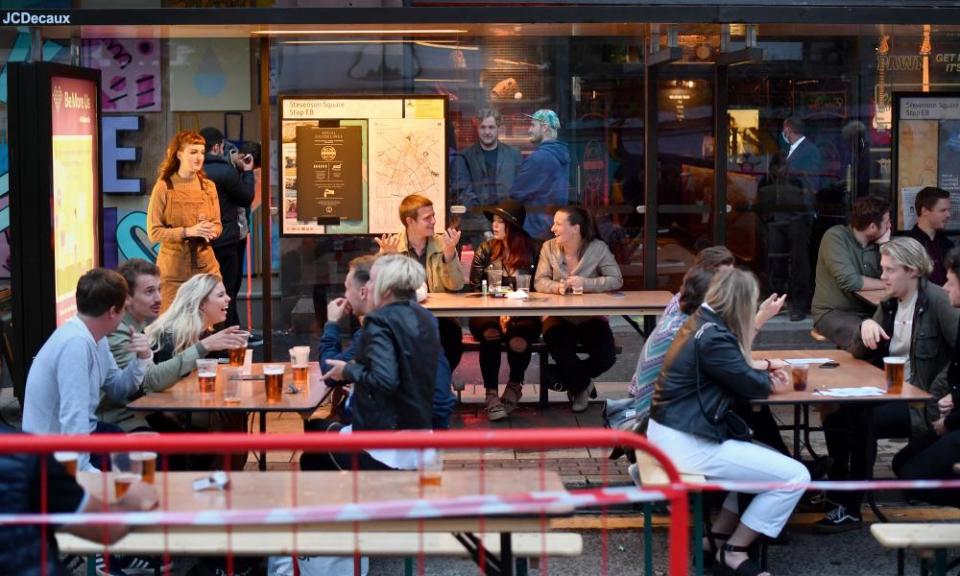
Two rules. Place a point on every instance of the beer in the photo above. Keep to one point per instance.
(208, 382)
(301, 375)
(273, 382)
(799, 373)
(68, 460)
(237, 356)
(149, 462)
(894, 368)
(431, 477)
(122, 482)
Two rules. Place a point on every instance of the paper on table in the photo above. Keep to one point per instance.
(518, 295)
(850, 392)
(807, 360)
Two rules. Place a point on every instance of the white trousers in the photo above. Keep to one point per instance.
(734, 461)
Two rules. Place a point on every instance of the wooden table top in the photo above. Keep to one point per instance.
(275, 489)
(185, 396)
(592, 304)
(874, 297)
(852, 373)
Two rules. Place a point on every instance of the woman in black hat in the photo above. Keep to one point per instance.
(514, 252)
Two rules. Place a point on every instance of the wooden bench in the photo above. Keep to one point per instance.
(471, 344)
(264, 541)
(926, 538)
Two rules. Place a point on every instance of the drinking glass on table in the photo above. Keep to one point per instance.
(430, 466)
(149, 459)
(273, 382)
(231, 384)
(494, 278)
(894, 366)
(207, 375)
(799, 374)
(68, 460)
(300, 362)
(523, 282)
(237, 355)
(127, 469)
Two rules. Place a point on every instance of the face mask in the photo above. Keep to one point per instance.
(783, 135)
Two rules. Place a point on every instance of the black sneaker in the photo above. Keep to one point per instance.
(838, 520)
(130, 566)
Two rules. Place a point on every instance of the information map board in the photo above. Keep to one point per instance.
(347, 162)
(927, 129)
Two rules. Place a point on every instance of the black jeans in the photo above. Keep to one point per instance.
(930, 458)
(524, 327)
(562, 336)
(451, 338)
(335, 461)
(230, 257)
(851, 434)
(794, 237)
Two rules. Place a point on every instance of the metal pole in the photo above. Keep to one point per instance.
(650, 174)
(266, 200)
(721, 138)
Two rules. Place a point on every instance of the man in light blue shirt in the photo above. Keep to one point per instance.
(75, 363)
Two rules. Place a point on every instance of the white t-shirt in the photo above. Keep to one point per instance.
(902, 332)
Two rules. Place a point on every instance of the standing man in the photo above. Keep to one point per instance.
(933, 214)
(437, 253)
(75, 364)
(848, 262)
(544, 179)
(235, 181)
(796, 210)
(486, 174)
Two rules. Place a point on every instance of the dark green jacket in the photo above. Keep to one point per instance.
(931, 348)
(842, 262)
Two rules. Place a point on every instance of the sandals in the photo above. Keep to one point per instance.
(511, 396)
(710, 553)
(748, 567)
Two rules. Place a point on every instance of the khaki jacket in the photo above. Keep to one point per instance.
(441, 276)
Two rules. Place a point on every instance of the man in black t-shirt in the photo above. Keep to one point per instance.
(20, 493)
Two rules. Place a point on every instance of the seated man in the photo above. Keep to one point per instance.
(848, 262)
(20, 545)
(932, 455)
(933, 215)
(142, 308)
(438, 256)
(915, 322)
(74, 365)
(357, 301)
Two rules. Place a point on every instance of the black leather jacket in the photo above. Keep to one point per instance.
(481, 261)
(394, 369)
(235, 191)
(725, 378)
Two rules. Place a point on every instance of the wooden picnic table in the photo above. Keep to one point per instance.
(637, 303)
(278, 489)
(185, 396)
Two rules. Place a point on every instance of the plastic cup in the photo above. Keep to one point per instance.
(576, 290)
(273, 382)
(149, 465)
(127, 468)
(430, 467)
(495, 279)
(799, 374)
(894, 367)
(231, 384)
(523, 282)
(207, 375)
(68, 460)
(300, 362)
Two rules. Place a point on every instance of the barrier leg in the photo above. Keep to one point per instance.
(698, 532)
(940, 562)
(901, 561)
(647, 539)
(408, 566)
(522, 567)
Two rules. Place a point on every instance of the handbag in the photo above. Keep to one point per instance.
(737, 428)
(623, 414)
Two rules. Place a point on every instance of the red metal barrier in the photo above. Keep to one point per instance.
(542, 439)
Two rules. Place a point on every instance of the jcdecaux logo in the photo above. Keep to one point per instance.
(19, 18)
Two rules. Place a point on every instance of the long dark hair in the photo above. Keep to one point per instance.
(577, 216)
(515, 249)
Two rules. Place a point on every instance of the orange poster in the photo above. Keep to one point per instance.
(918, 151)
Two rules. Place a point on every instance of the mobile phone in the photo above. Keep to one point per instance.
(830, 364)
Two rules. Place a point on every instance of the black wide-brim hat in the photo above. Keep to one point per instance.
(511, 211)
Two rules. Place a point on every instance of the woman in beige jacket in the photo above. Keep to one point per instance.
(183, 216)
(576, 262)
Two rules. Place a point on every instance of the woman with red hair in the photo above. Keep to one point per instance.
(513, 252)
(183, 215)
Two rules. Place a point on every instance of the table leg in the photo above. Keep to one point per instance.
(506, 554)
(263, 431)
(473, 544)
(806, 432)
(901, 561)
(647, 539)
(940, 562)
(649, 324)
(797, 425)
(698, 532)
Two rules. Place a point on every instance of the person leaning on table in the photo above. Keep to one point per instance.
(916, 322)
(932, 456)
(576, 260)
(707, 370)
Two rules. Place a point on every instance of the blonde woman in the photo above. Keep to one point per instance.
(183, 215)
(181, 335)
(916, 322)
(707, 370)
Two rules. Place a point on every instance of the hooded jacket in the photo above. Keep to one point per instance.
(542, 185)
(235, 191)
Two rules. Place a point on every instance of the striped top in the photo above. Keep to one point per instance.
(652, 356)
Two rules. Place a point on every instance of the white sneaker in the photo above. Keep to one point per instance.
(580, 400)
